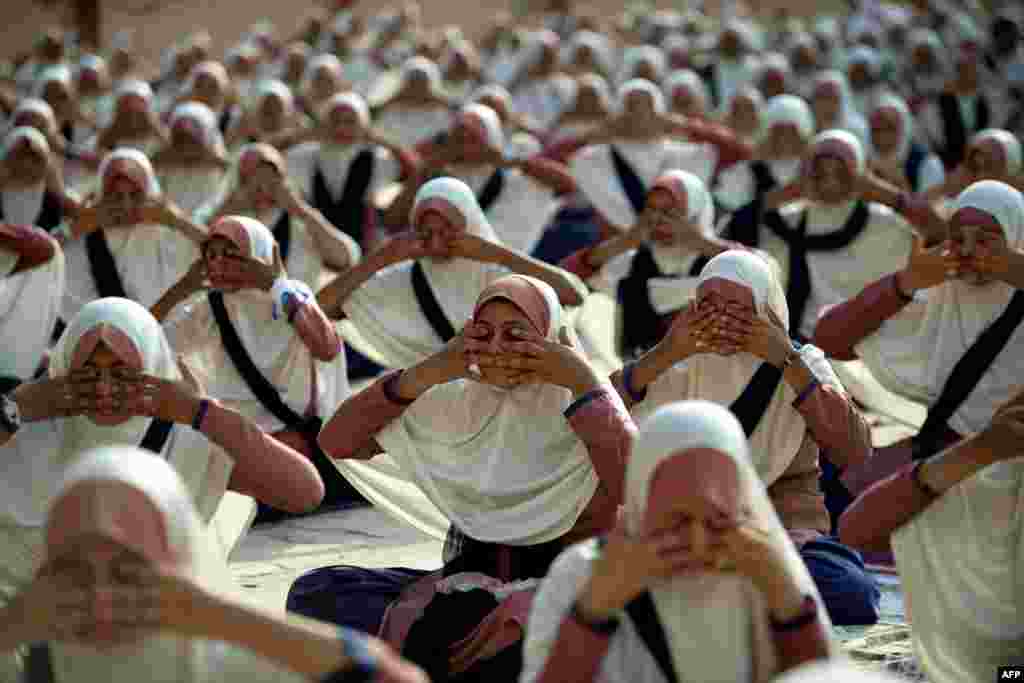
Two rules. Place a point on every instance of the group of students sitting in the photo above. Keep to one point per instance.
(664, 326)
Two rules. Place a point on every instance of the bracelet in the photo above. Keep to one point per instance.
(915, 476)
(605, 627)
(627, 384)
(363, 667)
(197, 421)
(808, 613)
(802, 396)
(904, 297)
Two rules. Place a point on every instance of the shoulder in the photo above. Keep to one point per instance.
(303, 154)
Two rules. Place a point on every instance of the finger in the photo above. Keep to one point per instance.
(526, 348)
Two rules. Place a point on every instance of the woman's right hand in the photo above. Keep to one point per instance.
(628, 566)
(54, 397)
(690, 332)
(196, 278)
(928, 266)
(50, 609)
(407, 246)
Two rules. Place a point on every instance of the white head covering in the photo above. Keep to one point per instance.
(634, 56)
(889, 101)
(60, 73)
(792, 110)
(152, 185)
(776, 61)
(37, 106)
(720, 379)
(598, 45)
(1008, 143)
(424, 66)
(961, 562)
(868, 57)
(320, 62)
(491, 124)
(848, 118)
(845, 139)
(834, 671)
(913, 353)
(110, 316)
(202, 115)
(641, 85)
(272, 87)
(689, 79)
(384, 309)
(714, 622)
(159, 658)
(502, 465)
(133, 87)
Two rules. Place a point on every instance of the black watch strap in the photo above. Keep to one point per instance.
(10, 419)
(605, 627)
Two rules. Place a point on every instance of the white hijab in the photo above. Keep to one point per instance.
(205, 471)
(594, 169)
(1008, 143)
(961, 561)
(503, 465)
(913, 353)
(22, 205)
(891, 102)
(335, 159)
(781, 430)
(189, 187)
(384, 309)
(150, 257)
(849, 118)
(304, 383)
(715, 623)
(160, 658)
(142, 90)
(689, 79)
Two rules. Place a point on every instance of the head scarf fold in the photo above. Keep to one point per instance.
(913, 353)
(120, 492)
(502, 465)
(714, 622)
(1008, 143)
(789, 109)
(710, 377)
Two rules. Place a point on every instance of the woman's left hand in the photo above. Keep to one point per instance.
(995, 259)
(767, 339)
(147, 598)
(542, 361)
(469, 246)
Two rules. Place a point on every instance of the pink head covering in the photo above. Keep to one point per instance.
(523, 293)
(250, 236)
(841, 145)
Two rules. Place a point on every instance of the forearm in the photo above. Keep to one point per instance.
(32, 245)
(916, 209)
(835, 423)
(296, 301)
(178, 293)
(185, 226)
(571, 291)
(643, 372)
(332, 298)
(576, 655)
(844, 325)
(265, 468)
(551, 174)
(330, 242)
(605, 251)
(350, 432)
(600, 420)
(1015, 274)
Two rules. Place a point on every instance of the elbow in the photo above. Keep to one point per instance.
(307, 497)
(327, 353)
(829, 337)
(571, 297)
(855, 533)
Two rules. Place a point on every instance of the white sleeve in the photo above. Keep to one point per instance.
(301, 161)
(386, 170)
(553, 600)
(933, 173)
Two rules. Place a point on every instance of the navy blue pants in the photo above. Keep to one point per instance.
(571, 230)
(848, 590)
(349, 596)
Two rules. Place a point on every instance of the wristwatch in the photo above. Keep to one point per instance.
(604, 627)
(10, 416)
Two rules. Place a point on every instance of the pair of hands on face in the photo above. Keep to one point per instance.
(145, 599)
(414, 245)
(119, 392)
(683, 231)
(234, 272)
(931, 266)
(630, 564)
(705, 327)
(112, 212)
(525, 359)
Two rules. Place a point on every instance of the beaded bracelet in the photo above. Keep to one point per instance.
(627, 384)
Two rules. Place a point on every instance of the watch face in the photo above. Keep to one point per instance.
(10, 409)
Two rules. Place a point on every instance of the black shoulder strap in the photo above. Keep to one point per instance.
(698, 265)
(966, 374)
(429, 305)
(639, 330)
(156, 436)
(39, 664)
(630, 182)
(912, 167)
(744, 224)
(708, 75)
(282, 232)
(750, 406)
(798, 289)
(491, 190)
(648, 626)
(224, 122)
(982, 113)
(764, 179)
(103, 266)
(8, 383)
(348, 212)
(954, 132)
(51, 214)
(265, 392)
